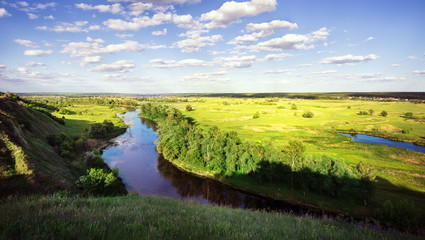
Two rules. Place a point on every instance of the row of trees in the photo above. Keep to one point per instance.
(226, 154)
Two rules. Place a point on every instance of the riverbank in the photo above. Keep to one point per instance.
(147, 217)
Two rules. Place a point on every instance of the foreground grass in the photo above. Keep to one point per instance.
(144, 217)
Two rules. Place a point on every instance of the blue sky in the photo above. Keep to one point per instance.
(199, 46)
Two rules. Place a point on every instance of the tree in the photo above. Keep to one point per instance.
(294, 150)
(384, 113)
(408, 115)
(367, 176)
(109, 126)
(97, 130)
(371, 111)
(189, 108)
(294, 107)
(308, 114)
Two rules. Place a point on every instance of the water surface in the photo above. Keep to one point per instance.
(378, 140)
(146, 172)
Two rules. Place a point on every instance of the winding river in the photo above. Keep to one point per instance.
(146, 172)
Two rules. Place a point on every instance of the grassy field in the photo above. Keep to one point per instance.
(145, 217)
(400, 172)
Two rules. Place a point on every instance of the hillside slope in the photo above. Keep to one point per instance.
(27, 162)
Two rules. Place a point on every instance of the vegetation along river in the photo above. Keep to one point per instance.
(146, 172)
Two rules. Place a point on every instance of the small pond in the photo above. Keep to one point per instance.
(378, 140)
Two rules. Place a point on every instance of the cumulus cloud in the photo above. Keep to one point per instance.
(114, 8)
(50, 17)
(369, 38)
(195, 41)
(269, 26)
(138, 8)
(90, 59)
(121, 66)
(185, 21)
(26, 43)
(232, 11)
(290, 42)
(78, 26)
(81, 49)
(38, 53)
(124, 35)
(138, 22)
(161, 63)
(346, 59)
(4, 13)
(159, 33)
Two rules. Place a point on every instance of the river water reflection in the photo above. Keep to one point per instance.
(146, 172)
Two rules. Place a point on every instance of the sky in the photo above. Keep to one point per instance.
(215, 46)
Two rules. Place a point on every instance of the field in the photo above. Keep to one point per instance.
(400, 172)
(136, 217)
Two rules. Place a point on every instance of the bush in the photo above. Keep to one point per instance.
(371, 111)
(97, 130)
(363, 113)
(109, 126)
(409, 115)
(189, 108)
(294, 107)
(308, 114)
(100, 182)
(256, 115)
(384, 113)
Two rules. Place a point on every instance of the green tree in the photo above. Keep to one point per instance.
(97, 130)
(108, 125)
(384, 113)
(189, 108)
(371, 111)
(367, 176)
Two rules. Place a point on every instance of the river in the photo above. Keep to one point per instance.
(146, 172)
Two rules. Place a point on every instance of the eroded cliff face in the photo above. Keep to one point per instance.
(28, 164)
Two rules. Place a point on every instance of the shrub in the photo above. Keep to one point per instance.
(97, 130)
(409, 115)
(189, 108)
(308, 114)
(384, 113)
(371, 111)
(294, 107)
(109, 126)
(256, 115)
(362, 113)
(100, 182)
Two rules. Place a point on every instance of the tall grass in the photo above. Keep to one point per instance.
(144, 217)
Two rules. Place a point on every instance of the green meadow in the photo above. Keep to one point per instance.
(400, 172)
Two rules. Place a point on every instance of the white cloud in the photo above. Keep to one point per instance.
(185, 21)
(78, 26)
(80, 49)
(38, 53)
(160, 63)
(369, 38)
(26, 43)
(276, 57)
(325, 72)
(118, 66)
(290, 42)
(195, 41)
(418, 72)
(232, 11)
(44, 6)
(4, 13)
(34, 64)
(235, 61)
(119, 77)
(395, 65)
(23, 4)
(50, 17)
(346, 59)
(138, 8)
(281, 71)
(97, 40)
(114, 8)
(32, 16)
(411, 57)
(137, 23)
(268, 27)
(159, 33)
(90, 59)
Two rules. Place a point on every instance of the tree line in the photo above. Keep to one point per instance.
(226, 154)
